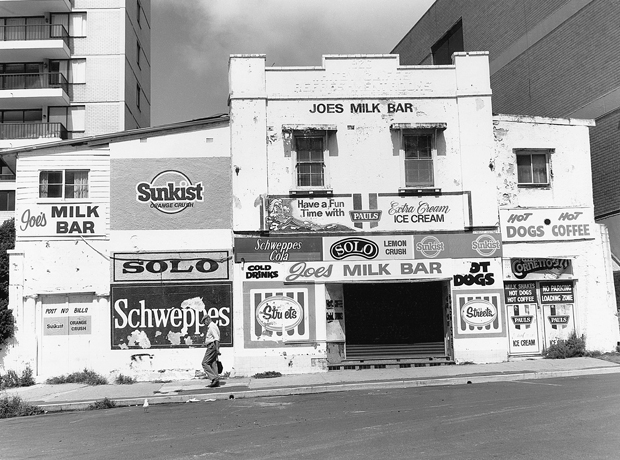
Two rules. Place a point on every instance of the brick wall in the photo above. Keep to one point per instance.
(569, 67)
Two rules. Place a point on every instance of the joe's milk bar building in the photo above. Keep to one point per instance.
(360, 213)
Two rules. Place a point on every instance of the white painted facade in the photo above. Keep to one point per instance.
(362, 269)
(360, 106)
(62, 284)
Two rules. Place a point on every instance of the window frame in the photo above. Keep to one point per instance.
(138, 96)
(7, 197)
(63, 185)
(530, 152)
(310, 134)
(404, 133)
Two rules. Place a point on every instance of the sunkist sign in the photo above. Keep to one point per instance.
(170, 192)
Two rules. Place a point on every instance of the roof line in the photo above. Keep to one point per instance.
(150, 131)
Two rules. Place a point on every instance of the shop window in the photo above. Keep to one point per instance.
(7, 200)
(533, 167)
(68, 184)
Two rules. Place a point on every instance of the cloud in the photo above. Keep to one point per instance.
(194, 39)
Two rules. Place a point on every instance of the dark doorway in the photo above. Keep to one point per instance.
(393, 313)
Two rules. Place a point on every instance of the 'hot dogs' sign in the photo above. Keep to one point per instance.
(551, 224)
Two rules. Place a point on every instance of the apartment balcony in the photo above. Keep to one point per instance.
(51, 131)
(34, 43)
(10, 8)
(32, 90)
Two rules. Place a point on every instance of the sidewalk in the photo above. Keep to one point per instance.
(72, 396)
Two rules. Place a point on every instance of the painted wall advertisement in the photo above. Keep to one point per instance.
(170, 193)
(367, 247)
(551, 224)
(522, 311)
(276, 314)
(169, 316)
(62, 220)
(376, 212)
(159, 299)
(477, 301)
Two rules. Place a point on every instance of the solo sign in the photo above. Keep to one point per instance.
(170, 266)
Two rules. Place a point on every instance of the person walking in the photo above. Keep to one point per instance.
(209, 362)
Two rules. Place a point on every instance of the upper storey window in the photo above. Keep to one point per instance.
(309, 146)
(310, 161)
(64, 184)
(533, 167)
(418, 160)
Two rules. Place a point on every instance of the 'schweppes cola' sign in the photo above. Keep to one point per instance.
(169, 316)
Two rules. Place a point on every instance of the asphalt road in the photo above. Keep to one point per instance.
(569, 418)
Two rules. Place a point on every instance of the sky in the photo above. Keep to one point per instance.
(191, 41)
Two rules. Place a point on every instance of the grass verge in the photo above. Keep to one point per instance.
(86, 376)
(14, 406)
(104, 403)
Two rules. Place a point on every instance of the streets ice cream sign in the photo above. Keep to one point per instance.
(279, 314)
(279, 317)
(478, 313)
(170, 192)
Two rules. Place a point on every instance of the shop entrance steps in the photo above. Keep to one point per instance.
(379, 356)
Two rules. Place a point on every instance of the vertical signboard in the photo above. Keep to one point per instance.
(558, 300)
(522, 313)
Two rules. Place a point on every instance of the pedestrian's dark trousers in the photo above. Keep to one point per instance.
(209, 362)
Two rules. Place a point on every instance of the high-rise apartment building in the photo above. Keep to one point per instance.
(556, 58)
(69, 69)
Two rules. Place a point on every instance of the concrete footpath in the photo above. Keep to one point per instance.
(71, 396)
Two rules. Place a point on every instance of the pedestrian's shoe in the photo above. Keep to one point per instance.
(214, 384)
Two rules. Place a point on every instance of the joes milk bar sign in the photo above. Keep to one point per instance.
(62, 220)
